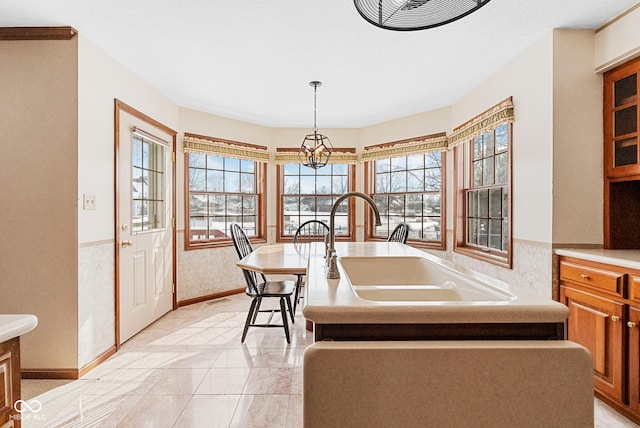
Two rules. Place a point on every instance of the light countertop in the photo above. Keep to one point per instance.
(624, 258)
(14, 325)
(330, 301)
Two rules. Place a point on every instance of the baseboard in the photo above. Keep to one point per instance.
(99, 360)
(208, 297)
(50, 374)
(66, 373)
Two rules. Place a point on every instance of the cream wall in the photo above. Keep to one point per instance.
(39, 176)
(101, 79)
(577, 141)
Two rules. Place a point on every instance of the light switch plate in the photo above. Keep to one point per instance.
(89, 202)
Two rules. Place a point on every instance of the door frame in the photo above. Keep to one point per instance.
(120, 107)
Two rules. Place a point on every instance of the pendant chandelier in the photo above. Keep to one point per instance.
(315, 150)
(409, 15)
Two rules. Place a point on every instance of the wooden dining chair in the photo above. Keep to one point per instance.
(309, 231)
(259, 288)
(400, 233)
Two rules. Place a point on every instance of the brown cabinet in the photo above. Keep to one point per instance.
(621, 118)
(9, 382)
(604, 317)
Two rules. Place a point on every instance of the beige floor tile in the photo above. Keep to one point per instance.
(274, 381)
(208, 411)
(224, 381)
(261, 411)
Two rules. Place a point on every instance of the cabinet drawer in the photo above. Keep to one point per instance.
(592, 277)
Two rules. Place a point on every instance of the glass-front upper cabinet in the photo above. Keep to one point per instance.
(621, 121)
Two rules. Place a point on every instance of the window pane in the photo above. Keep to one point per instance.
(383, 165)
(307, 184)
(433, 179)
(196, 179)
(247, 166)
(231, 182)
(483, 232)
(416, 181)
(291, 169)
(291, 185)
(215, 181)
(483, 203)
(431, 229)
(323, 184)
(399, 163)
(495, 236)
(431, 204)
(291, 205)
(382, 202)
(477, 147)
(248, 183)
(414, 207)
(488, 171)
(489, 144)
(472, 204)
(502, 168)
(324, 205)
(249, 204)
(495, 203)
(339, 169)
(472, 233)
(396, 205)
(433, 160)
(234, 207)
(340, 184)
(415, 161)
(215, 162)
(399, 181)
(217, 205)
(502, 140)
(477, 173)
(383, 183)
(197, 160)
(505, 202)
(231, 164)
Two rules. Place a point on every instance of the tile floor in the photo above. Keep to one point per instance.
(189, 369)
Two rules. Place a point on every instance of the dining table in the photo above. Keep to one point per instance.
(280, 259)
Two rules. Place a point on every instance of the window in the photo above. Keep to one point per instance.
(148, 184)
(483, 194)
(409, 189)
(306, 194)
(223, 189)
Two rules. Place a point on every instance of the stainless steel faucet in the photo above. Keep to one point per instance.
(332, 260)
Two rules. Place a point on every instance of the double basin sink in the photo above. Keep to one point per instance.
(414, 279)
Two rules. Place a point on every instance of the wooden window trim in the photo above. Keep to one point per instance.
(261, 223)
(280, 237)
(369, 185)
(459, 208)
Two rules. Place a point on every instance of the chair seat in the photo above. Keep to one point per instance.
(273, 289)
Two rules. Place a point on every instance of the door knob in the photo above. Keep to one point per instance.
(127, 244)
(631, 324)
(615, 318)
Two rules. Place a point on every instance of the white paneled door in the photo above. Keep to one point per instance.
(145, 224)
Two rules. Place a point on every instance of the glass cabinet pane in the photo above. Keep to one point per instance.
(626, 151)
(625, 90)
(626, 121)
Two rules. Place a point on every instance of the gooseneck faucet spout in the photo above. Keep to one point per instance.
(332, 260)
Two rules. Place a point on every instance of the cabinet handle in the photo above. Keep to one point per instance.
(584, 276)
(615, 318)
(631, 324)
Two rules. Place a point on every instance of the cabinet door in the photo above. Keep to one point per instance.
(634, 359)
(597, 324)
(621, 120)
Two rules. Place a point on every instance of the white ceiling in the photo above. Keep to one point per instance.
(253, 60)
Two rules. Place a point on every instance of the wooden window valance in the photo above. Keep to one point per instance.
(412, 146)
(496, 115)
(215, 146)
(342, 156)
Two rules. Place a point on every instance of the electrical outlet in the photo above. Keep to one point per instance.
(89, 202)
